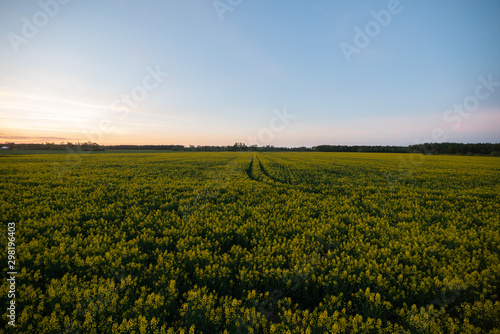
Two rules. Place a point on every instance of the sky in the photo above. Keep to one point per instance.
(282, 73)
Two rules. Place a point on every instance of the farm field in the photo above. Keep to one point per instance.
(244, 242)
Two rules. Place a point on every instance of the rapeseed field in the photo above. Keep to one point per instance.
(243, 242)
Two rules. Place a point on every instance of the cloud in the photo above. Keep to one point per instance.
(26, 139)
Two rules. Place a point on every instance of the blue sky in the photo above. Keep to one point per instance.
(233, 66)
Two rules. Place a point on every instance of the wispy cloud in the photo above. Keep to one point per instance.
(32, 139)
(35, 107)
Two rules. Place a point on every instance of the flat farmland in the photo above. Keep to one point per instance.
(252, 242)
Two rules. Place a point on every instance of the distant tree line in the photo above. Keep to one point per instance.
(88, 146)
(146, 147)
(200, 148)
(426, 148)
(363, 148)
(456, 148)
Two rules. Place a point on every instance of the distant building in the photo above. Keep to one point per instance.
(5, 148)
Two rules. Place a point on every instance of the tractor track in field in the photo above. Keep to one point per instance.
(249, 169)
(255, 163)
(258, 165)
(266, 173)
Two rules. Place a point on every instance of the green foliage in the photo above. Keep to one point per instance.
(243, 242)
